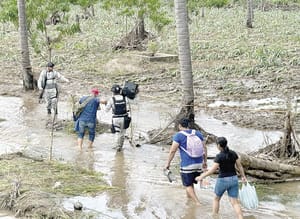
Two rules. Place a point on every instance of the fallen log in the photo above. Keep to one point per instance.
(268, 175)
(253, 163)
(268, 181)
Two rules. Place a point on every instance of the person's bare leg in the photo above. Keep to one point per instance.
(90, 144)
(79, 142)
(237, 208)
(216, 205)
(191, 193)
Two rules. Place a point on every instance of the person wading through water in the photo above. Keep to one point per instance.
(226, 162)
(47, 83)
(193, 155)
(88, 117)
(119, 105)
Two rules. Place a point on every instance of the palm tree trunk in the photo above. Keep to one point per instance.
(184, 55)
(250, 14)
(25, 58)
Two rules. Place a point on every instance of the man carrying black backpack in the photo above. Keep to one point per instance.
(120, 118)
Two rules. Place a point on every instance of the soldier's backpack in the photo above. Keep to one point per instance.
(130, 89)
(194, 145)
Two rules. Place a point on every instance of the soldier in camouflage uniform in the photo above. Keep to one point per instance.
(48, 84)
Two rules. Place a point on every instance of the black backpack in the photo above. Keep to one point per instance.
(130, 89)
(119, 107)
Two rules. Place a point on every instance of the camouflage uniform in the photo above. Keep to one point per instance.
(48, 82)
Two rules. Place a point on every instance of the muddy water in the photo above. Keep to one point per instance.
(143, 190)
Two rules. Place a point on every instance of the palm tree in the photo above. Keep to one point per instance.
(250, 15)
(26, 66)
(184, 54)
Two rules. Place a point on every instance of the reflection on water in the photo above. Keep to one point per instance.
(142, 191)
(6, 215)
(240, 139)
(281, 197)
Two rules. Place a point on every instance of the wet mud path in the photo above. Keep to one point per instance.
(144, 192)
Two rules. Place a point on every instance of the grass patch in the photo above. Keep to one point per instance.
(43, 175)
(220, 37)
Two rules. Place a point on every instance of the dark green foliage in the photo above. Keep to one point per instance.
(69, 30)
(217, 3)
(9, 11)
(152, 9)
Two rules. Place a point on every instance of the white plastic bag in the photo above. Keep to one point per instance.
(248, 196)
(207, 183)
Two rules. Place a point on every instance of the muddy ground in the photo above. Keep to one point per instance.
(160, 82)
(219, 62)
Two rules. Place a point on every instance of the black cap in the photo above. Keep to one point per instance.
(50, 64)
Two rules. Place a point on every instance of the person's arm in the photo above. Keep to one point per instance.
(209, 172)
(61, 77)
(172, 152)
(41, 78)
(240, 169)
(103, 102)
(109, 105)
(204, 165)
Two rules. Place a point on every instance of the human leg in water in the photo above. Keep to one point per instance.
(191, 193)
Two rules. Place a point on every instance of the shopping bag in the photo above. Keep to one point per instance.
(248, 196)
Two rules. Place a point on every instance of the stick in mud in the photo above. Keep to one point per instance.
(52, 130)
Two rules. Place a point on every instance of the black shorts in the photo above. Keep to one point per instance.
(188, 179)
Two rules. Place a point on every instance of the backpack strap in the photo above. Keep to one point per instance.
(186, 134)
(86, 101)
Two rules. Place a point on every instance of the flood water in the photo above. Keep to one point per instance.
(144, 192)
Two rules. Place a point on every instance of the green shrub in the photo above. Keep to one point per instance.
(217, 3)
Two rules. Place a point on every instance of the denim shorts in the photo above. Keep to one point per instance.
(229, 184)
(188, 179)
(91, 127)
